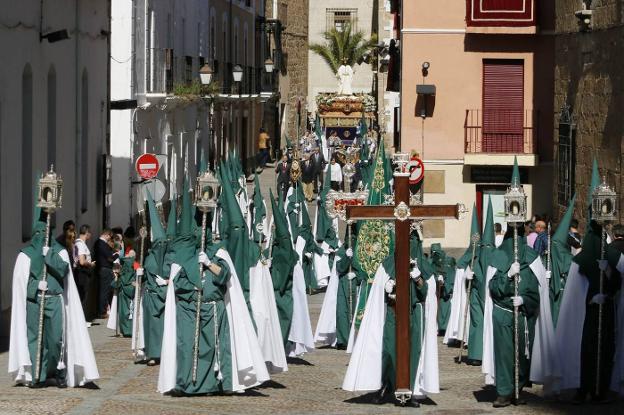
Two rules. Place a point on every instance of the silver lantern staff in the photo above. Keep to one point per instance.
(138, 353)
(515, 215)
(474, 239)
(206, 195)
(50, 199)
(603, 212)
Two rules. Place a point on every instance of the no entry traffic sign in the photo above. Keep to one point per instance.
(147, 166)
(416, 169)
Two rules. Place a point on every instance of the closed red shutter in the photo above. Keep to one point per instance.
(503, 106)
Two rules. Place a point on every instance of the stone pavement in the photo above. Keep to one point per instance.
(311, 386)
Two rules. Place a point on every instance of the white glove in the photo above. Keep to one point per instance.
(517, 301)
(308, 254)
(349, 252)
(117, 261)
(43, 285)
(415, 273)
(598, 299)
(296, 211)
(268, 262)
(350, 275)
(548, 274)
(514, 270)
(140, 272)
(45, 250)
(389, 287)
(441, 278)
(469, 275)
(332, 250)
(297, 205)
(203, 259)
(161, 281)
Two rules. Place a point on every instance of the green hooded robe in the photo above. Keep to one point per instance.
(124, 284)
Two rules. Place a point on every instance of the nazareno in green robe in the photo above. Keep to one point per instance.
(53, 309)
(125, 295)
(418, 295)
(501, 290)
(214, 370)
(347, 297)
(477, 303)
(157, 264)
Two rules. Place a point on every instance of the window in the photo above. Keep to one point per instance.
(27, 152)
(51, 116)
(566, 157)
(169, 70)
(339, 19)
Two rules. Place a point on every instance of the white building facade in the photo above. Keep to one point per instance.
(158, 48)
(53, 110)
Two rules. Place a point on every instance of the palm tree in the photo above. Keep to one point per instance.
(343, 45)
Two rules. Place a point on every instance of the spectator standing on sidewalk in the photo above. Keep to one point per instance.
(263, 148)
(83, 265)
(104, 258)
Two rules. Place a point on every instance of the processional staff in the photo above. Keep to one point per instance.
(474, 239)
(50, 199)
(515, 215)
(138, 353)
(206, 195)
(603, 212)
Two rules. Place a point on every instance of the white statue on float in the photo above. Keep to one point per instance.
(345, 79)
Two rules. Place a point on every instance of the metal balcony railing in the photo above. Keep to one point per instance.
(500, 131)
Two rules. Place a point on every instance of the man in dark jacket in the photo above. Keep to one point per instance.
(283, 175)
(104, 259)
(319, 164)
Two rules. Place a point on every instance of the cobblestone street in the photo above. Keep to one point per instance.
(311, 386)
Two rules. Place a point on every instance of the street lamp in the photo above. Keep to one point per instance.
(269, 66)
(205, 74)
(237, 74)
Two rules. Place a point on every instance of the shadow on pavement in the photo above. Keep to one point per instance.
(298, 361)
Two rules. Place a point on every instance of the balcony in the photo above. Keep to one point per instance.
(501, 16)
(494, 137)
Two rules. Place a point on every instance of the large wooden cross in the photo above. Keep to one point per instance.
(403, 214)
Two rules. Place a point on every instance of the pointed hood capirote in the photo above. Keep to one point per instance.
(172, 221)
(284, 255)
(259, 213)
(466, 259)
(563, 229)
(184, 246)
(158, 232)
(243, 252)
(515, 175)
(489, 235)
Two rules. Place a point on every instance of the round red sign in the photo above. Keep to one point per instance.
(416, 169)
(147, 166)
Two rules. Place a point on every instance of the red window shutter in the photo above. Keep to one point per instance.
(503, 106)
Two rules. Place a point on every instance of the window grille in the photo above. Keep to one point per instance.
(339, 19)
(566, 156)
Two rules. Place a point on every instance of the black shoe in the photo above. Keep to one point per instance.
(61, 383)
(176, 393)
(603, 398)
(152, 362)
(473, 362)
(502, 402)
(36, 385)
(579, 398)
(519, 401)
(380, 397)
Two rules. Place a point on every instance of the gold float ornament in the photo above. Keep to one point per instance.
(295, 171)
(402, 212)
(336, 202)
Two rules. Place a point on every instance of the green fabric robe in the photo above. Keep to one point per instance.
(502, 289)
(214, 370)
(125, 295)
(446, 293)
(53, 308)
(346, 299)
(157, 263)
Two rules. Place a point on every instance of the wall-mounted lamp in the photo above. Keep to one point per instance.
(425, 68)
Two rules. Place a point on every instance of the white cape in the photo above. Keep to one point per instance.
(248, 366)
(457, 323)
(488, 367)
(79, 357)
(427, 374)
(545, 364)
(326, 327)
(111, 323)
(352, 332)
(364, 370)
(301, 328)
(264, 310)
(137, 317)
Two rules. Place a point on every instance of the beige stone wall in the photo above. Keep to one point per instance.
(293, 79)
(588, 76)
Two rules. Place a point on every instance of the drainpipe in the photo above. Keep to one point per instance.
(77, 116)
